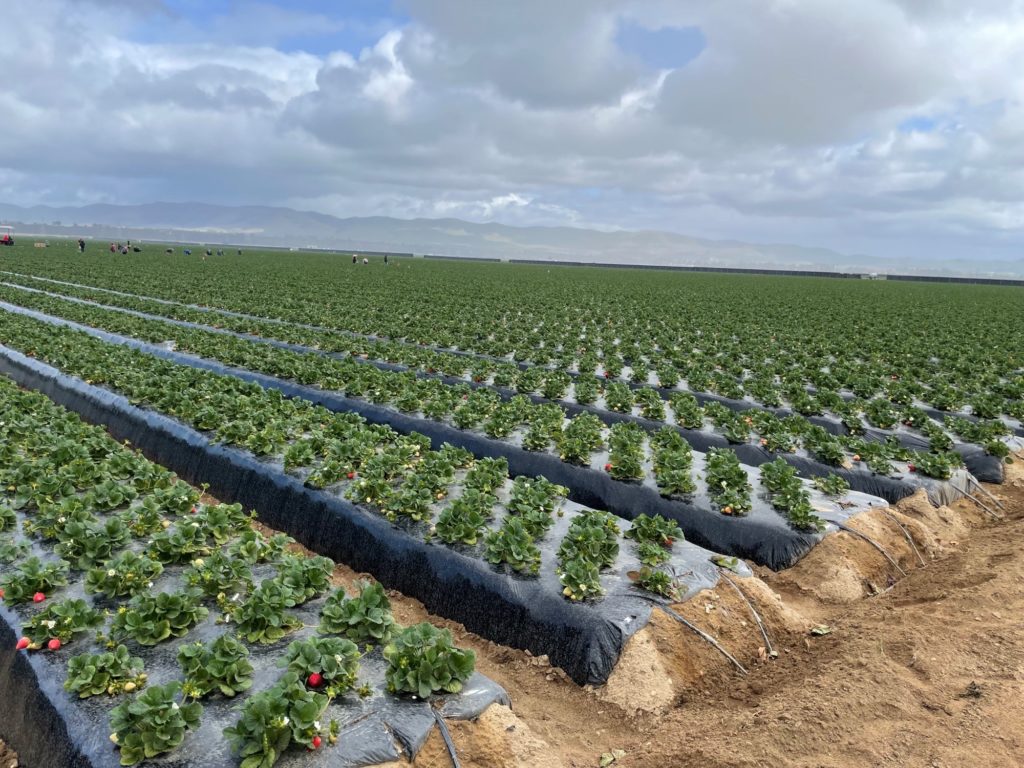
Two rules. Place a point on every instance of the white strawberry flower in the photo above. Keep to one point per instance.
(111, 572)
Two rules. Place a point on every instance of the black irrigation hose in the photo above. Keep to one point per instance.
(907, 535)
(753, 610)
(985, 490)
(991, 512)
(446, 735)
(696, 630)
(872, 542)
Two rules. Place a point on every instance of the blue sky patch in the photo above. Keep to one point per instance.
(664, 48)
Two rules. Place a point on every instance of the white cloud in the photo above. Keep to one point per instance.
(792, 125)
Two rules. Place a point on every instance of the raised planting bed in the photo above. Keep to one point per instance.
(128, 602)
(708, 419)
(618, 480)
(579, 617)
(726, 357)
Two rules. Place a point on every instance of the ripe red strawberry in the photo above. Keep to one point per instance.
(1, 594)
(607, 467)
(22, 644)
(54, 644)
(351, 475)
(607, 374)
(911, 467)
(195, 510)
(317, 741)
(316, 680)
(38, 597)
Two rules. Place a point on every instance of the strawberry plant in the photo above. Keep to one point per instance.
(152, 723)
(687, 410)
(673, 462)
(62, 621)
(464, 520)
(618, 397)
(513, 545)
(221, 666)
(832, 485)
(789, 495)
(33, 577)
(128, 573)
(940, 465)
(253, 547)
(487, 475)
(727, 483)
(274, 719)
(586, 390)
(180, 543)
(85, 544)
(651, 554)
(306, 577)
(8, 520)
(51, 519)
(218, 573)
(651, 405)
(221, 522)
(363, 619)
(110, 494)
(422, 661)
(535, 501)
(329, 665)
(658, 582)
(627, 454)
(580, 438)
(654, 530)
(580, 578)
(177, 498)
(262, 617)
(594, 537)
(112, 673)
(12, 550)
(149, 619)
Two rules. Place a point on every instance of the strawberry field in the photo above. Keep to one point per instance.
(539, 453)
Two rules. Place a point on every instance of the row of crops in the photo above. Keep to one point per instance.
(949, 347)
(627, 452)
(173, 624)
(896, 408)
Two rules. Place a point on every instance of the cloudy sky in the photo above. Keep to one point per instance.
(890, 127)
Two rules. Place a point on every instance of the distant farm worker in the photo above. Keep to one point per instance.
(81, 245)
(385, 259)
(113, 248)
(365, 260)
(354, 260)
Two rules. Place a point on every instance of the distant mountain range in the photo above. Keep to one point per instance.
(285, 227)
